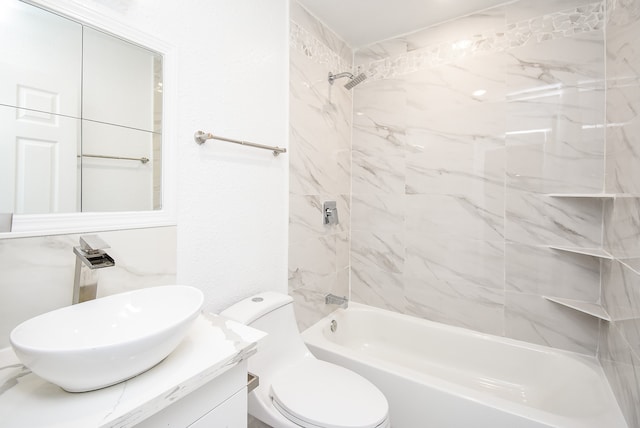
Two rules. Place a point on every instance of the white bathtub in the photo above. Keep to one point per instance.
(438, 376)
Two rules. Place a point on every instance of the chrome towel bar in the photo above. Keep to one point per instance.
(200, 137)
(141, 160)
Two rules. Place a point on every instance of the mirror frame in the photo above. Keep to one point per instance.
(25, 225)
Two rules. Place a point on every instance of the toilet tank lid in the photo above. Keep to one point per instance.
(250, 309)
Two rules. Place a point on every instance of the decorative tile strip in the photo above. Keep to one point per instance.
(307, 44)
(553, 26)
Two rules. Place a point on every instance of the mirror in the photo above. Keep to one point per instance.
(81, 117)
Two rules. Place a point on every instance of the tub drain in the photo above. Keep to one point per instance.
(333, 326)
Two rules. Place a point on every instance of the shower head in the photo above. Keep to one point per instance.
(353, 80)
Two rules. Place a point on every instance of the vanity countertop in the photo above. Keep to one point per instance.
(212, 346)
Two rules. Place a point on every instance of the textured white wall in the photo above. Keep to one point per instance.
(232, 65)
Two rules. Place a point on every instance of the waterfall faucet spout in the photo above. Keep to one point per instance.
(90, 254)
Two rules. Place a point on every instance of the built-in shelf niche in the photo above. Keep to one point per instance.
(590, 308)
(593, 252)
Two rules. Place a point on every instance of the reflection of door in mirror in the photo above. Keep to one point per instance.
(114, 183)
(40, 97)
(80, 117)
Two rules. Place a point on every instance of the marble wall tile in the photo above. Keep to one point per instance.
(537, 219)
(384, 212)
(622, 366)
(38, 273)
(458, 304)
(482, 125)
(621, 290)
(620, 342)
(309, 301)
(463, 83)
(381, 250)
(319, 166)
(467, 216)
(377, 174)
(533, 319)
(379, 118)
(621, 232)
(623, 175)
(455, 168)
(305, 216)
(547, 272)
(455, 261)
(524, 9)
(570, 62)
(496, 38)
(377, 287)
(311, 260)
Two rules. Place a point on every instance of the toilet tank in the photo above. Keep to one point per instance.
(273, 314)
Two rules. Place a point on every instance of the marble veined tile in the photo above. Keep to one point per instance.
(377, 287)
(454, 261)
(311, 260)
(621, 291)
(383, 212)
(456, 29)
(377, 174)
(379, 117)
(466, 82)
(305, 216)
(544, 271)
(540, 162)
(455, 167)
(482, 125)
(524, 9)
(470, 216)
(622, 367)
(380, 50)
(623, 53)
(381, 250)
(623, 157)
(462, 305)
(621, 232)
(570, 62)
(538, 219)
(429, 48)
(534, 319)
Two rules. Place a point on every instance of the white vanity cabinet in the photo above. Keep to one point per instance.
(201, 384)
(220, 403)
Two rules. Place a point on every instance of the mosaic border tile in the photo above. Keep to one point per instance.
(304, 42)
(567, 23)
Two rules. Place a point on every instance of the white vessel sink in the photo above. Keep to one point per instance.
(108, 340)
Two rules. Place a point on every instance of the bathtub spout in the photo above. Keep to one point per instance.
(332, 299)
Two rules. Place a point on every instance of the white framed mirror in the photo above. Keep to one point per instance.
(86, 137)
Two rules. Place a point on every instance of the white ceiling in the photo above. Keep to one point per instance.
(361, 22)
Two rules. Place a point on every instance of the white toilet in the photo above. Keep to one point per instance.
(296, 389)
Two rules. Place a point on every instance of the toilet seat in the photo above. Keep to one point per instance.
(316, 394)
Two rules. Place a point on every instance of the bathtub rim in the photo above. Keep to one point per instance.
(314, 337)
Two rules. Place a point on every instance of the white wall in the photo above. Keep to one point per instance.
(232, 79)
(232, 69)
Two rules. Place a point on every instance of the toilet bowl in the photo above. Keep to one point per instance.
(296, 389)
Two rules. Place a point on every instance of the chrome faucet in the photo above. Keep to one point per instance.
(332, 299)
(89, 254)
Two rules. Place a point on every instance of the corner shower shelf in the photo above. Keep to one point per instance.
(589, 308)
(594, 252)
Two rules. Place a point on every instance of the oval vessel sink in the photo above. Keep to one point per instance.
(108, 340)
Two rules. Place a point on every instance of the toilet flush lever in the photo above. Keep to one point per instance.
(330, 212)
